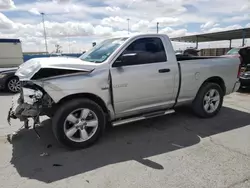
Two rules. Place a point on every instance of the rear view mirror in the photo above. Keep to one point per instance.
(125, 59)
(131, 55)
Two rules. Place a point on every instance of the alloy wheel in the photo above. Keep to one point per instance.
(80, 125)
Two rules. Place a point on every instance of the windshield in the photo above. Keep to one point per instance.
(233, 51)
(102, 51)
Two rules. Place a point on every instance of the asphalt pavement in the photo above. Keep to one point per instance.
(174, 151)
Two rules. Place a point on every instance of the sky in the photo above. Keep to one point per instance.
(75, 24)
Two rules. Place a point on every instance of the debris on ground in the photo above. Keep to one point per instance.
(44, 154)
(57, 165)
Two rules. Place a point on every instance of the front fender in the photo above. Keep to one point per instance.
(97, 85)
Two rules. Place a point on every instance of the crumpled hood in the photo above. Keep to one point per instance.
(28, 69)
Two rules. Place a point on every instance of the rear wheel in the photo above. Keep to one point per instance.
(208, 101)
(13, 85)
(78, 123)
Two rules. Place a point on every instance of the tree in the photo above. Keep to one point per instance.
(58, 47)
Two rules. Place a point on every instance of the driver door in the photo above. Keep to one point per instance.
(141, 78)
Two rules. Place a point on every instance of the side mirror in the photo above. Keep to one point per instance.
(125, 59)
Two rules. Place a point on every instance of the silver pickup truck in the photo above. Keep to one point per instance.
(121, 80)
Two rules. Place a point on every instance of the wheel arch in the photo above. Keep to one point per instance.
(217, 80)
(9, 77)
(90, 96)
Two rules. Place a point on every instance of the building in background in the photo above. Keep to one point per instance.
(11, 54)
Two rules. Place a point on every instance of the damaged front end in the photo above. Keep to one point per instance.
(31, 103)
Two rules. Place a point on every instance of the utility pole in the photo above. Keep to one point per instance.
(44, 32)
(128, 25)
(157, 27)
(68, 41)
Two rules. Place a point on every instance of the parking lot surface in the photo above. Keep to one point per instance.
(178, 150)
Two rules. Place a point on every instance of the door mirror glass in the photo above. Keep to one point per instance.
(124, 59)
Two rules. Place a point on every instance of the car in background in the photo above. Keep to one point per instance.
(8, 80)
(11, 56)
(245, 77)
(244, 54)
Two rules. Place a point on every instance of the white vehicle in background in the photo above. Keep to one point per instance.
(11, 56)
(120, 80)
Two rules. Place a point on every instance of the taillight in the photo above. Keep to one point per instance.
(239, 71)
(241, 68)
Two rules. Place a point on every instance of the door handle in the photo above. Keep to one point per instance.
(164, 70)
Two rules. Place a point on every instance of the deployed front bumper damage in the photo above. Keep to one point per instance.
(31, 103)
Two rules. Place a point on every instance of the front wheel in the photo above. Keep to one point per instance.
(208, 101)
(78, 123)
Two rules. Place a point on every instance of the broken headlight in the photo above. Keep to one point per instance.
(27, 69)
(30, 96)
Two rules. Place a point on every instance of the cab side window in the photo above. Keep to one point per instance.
(144, 51)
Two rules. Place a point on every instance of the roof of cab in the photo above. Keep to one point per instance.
(10, 41)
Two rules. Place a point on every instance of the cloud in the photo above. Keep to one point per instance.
(208, 25)
(222, 7)
(32, 36)
(103, 31)
(248, 25)
(195, 18)
(6, 23)
(168, 13)
(245, 7)
(75, 29)
(142, 25)
(34, 11)
(113, 9)
(6, 4)
(116, 22)
(166, 21)
(173, 33)
(218, 29)
(55, 7)
(61, 1)
(238, 18)
(54, 29)
(84, 20)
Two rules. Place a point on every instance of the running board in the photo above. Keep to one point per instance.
(145, 116)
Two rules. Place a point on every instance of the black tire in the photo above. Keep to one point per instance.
(64, 110)
(198, 103)
(8, 85)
